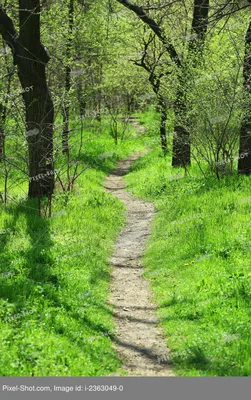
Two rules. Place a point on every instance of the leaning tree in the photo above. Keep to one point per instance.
(31, 58)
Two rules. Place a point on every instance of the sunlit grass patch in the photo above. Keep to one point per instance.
(199, 263)
(55, 275)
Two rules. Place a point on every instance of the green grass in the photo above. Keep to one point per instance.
(54, 272)
(199, 263)
(54, 275)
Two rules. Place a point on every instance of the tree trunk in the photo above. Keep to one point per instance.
(31, 58)
(155, 81)
(199, 27)
(2, 135)
(244, 162)
(181, 141)
(181, 152)
(66, 112)
(163, 130)
(3, 114)
(181, 147)
(66, 104)
(81, 99)
(163, 118)
(98, 94)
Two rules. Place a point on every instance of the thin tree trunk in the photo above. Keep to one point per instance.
(163, 118)
(81, 99)
(244, 163)
(66, 104)
(161, 106)
(181, 152)
(2, 135)
(3, 114)
(66, 112)
(98, 96)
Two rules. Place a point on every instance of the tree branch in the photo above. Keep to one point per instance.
(155, 27)
(8, 31)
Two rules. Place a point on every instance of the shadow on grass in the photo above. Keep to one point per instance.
(105, 164)
(37, 263)
(99, 329)
(199, 357)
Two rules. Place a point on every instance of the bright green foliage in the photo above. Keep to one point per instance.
(54, 277)
(54, 273)
(198, 261)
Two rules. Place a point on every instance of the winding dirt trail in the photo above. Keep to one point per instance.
(139, 342)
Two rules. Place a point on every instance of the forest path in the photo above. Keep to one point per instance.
(139, 342)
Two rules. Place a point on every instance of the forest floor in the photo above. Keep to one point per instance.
(139, 342)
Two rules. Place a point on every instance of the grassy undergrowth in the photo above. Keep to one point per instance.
(199, 264)
(54, 275)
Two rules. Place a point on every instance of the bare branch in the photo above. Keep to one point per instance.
(8, 31)
(155, 27)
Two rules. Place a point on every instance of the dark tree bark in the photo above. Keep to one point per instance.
(98, 93)
(130, 101)
(163, 118)
(31, 58)
(2, 135)
(181, 154)
(3, 114)
(181, 141)
(66, 111)
(66, 104)
(244, 163)
(81, 99)
(199, 26)
(162, 110)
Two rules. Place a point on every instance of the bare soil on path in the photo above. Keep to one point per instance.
(139, 342)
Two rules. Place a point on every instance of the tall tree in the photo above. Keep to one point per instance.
(66, 102)
(181, 142)
(31, 58)
(244, 163)
(227, 9)
(181, 136)
(150, 65)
